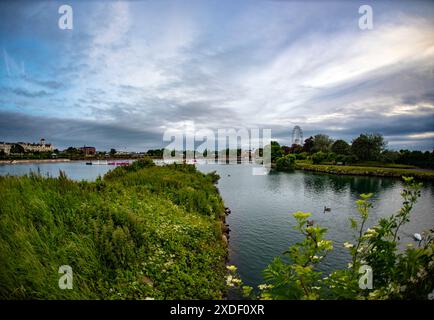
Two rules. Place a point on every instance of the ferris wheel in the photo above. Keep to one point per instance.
(297, 135)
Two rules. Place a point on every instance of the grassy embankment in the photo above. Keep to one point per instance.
(367, 170)
(141, 231)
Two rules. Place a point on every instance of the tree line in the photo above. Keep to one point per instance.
(367, 147)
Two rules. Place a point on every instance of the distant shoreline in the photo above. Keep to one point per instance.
(18, 161)
(422, 174)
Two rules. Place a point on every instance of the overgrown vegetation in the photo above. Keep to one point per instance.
(380, 171)
(397, 274)
(367, 150)
(142, 231)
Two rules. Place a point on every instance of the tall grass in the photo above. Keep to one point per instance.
(140, 232)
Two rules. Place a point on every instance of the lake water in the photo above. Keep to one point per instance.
(76, 170)
(261, 221)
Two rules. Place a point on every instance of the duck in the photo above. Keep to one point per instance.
(327, 209)
(310, 223)
(417, 237)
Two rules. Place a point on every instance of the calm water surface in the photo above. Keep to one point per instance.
(261, 221)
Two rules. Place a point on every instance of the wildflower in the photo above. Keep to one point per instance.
(231, 268)
(325, 245)
(348, 245)
(265, 286)
(370, 233)
(229, 279)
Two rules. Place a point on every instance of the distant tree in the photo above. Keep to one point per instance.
(285, 163)
(321, 142)
(308, 145)
(319, 157)
(368, 146)
(389, 156)
(276, 151)
(112, 151)
(341, 147)
(296, 148)
(73, 150)
(301, 156)
(286, 149)
(417, 158)
(155, 153)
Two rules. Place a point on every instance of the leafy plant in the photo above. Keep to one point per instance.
(397, 274)
(285, 163)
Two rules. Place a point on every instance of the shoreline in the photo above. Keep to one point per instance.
(18, 161)
(421, 174)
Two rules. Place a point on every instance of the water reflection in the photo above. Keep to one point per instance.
(319, 183)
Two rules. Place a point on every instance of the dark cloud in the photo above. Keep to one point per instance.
(66, 132)
(136, 74)
(29, 94)
(49, 84)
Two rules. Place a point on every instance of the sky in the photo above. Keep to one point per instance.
(129, 71)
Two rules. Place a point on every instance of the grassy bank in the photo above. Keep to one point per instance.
(366, 170)
(141, 231)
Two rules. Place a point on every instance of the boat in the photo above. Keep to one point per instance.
(88, 163)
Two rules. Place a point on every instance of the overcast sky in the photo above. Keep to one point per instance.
(130, 70)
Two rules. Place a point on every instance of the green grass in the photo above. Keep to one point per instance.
(365, 170)
(141, 231)
(379, 164)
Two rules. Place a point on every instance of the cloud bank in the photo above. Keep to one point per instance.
(128, 71)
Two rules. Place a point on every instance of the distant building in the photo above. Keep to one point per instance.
(26, 147)
(5, 147)
(88, 151)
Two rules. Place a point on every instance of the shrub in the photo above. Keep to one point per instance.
(319, 157)
(286, 163)
(301, 156)
(331, 157)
